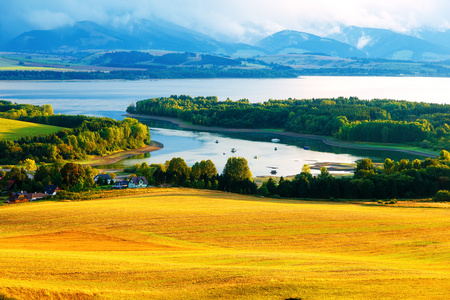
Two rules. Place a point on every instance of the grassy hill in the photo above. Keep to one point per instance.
(13, 129)
(190, 244)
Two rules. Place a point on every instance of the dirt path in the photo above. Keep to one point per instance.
(325, 140)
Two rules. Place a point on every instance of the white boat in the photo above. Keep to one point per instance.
(256, 157)
(275, 140)
(233, 150)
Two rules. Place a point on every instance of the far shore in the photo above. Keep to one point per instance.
(326, 140)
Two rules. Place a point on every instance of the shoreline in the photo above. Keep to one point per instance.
(118, 156)
(326, 140)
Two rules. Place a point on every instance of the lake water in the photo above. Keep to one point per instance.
(286, 160)
(111, 98)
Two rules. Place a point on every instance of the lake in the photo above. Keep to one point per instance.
(111, 98)
(288, 158)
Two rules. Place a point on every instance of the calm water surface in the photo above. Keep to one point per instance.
(111, 98)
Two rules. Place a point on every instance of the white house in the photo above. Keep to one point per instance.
(137, 182)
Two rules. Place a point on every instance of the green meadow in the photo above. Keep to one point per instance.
(13, 129)
(170, 243)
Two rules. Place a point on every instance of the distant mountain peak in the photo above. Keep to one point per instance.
(384, 43)
(290, 41)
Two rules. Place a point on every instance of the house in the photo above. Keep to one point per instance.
(51, 189)
(19, 197)
(106, 178)
(37, 196)
(137, 182)
(121, 184)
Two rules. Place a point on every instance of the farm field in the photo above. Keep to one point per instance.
(196, 244)
(13, 129)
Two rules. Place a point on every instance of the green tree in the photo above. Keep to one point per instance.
(237, 175)
(237, 169)
(444, 155)
(364, 168)
(177, 170)
(71, 174)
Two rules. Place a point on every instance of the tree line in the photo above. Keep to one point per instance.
(395, 179)
(151, 72)
(401, 179)
(81, 136)
(351, 119)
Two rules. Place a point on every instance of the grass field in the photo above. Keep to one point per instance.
(13, 129)
(190, 244)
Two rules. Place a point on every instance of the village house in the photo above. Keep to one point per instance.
(105, 177)
(24, 196)
(137, 182)
(123, 184)
(51, 189)
(18, 197)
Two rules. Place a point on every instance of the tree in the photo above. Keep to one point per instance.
(235, 173)
(177, 170)
(364, 168)
(30, 165)
(71, 174)
(444, 155)
(306, 169)
(389, 166)
(237, 169)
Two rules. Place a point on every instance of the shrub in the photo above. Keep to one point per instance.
(442, 196)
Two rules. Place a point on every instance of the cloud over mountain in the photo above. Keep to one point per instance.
(232, 20)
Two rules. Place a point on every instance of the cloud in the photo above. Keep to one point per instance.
(238, 20)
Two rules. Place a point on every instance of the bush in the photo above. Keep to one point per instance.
(442, 196)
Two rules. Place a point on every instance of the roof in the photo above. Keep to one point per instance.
(50, 189)
(123, 182)
(16, 195)
(139, 178)
(104, 176)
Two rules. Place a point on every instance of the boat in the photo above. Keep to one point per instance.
(273, 172)
(224, 153)
(256, 157)
(306, 147)
(275, 149)
(275, 140)
(217, 141)
(233, 150)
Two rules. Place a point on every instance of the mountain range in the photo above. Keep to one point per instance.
(157, 34)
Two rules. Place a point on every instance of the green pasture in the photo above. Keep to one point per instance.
(13, 129)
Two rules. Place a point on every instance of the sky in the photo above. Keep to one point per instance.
(230, 20)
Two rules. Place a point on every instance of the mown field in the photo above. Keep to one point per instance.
(13, 129)
(191, 244)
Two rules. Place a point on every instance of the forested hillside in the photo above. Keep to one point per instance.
(349, 119)
(82, 135)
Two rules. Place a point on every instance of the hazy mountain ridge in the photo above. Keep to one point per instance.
(295, 42)
(157, 34)
(382, 43)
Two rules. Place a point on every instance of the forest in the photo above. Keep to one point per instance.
(151, 72)
(81, 136)
(348, 119)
